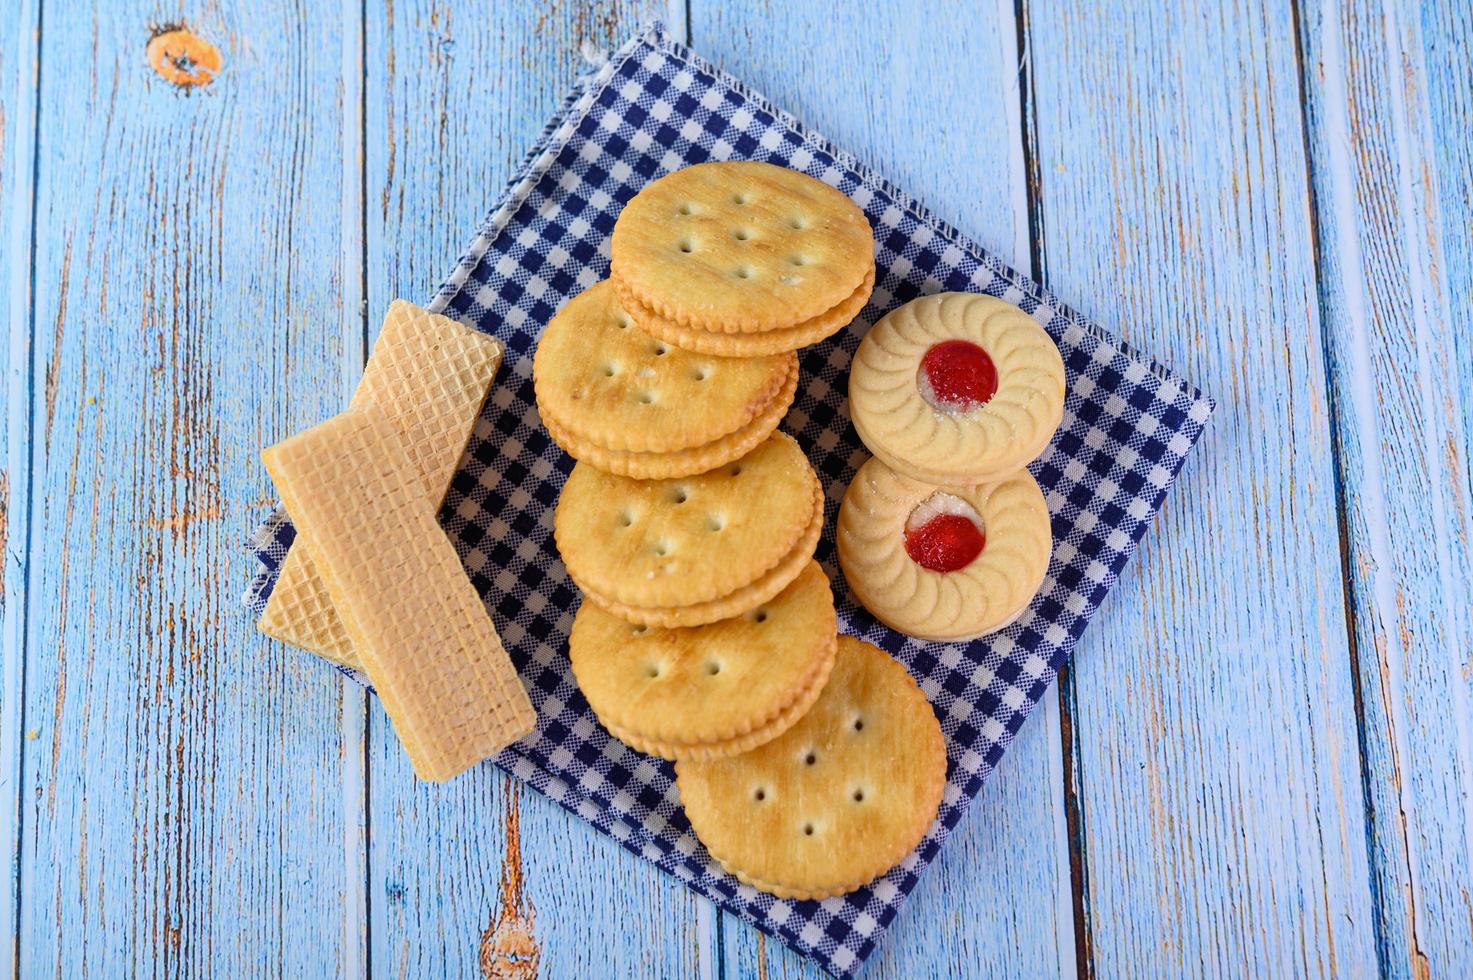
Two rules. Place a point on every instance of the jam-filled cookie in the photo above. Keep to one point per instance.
(957, 389)
(943, 563)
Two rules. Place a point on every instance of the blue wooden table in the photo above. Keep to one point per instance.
(1261, 761)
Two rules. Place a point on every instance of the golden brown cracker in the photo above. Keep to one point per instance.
(748, 597)
(808, 332)
(734, 247)
(683, 462)
(698, 686)
(685, 541)
(836, 800)
(610, 384)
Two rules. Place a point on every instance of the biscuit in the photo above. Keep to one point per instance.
(704, 751)
(682, 462)
(748, 597)
(738, 247)
(808, 332)
(701, 692)
(836, 800)
(608, 383)
(998, 395)
(417, 623)
(429, 374)
(916, 557)
(690, 540)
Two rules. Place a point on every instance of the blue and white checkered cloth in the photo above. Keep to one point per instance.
(1128, 425)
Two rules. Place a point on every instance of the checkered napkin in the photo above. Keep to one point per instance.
(1128, 425)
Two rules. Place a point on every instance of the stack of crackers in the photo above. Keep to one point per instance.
(807, 762)
(371, 581)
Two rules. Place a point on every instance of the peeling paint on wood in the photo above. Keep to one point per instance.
(509, 947)
(181, 57)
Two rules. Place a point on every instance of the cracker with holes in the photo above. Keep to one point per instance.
(707, 692)
(943, 564)
(956, 389)
(633, 405)
(835, 801)
(689, 551)
(741, 258)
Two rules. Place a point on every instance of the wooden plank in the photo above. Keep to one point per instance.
(1447, 30)
(1212, 703)
(930, 99)
(181, 812)
(1385, 199)
(457, 93)
(18, 94)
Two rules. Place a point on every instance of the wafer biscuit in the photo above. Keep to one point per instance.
(684, 462)
(924, 594)
(810, 331)
(701, 692)
(1006, 397)
(690, 540)
(736, 247)
(612, 385)
(836, 800)
(419, 627)
(429, 375)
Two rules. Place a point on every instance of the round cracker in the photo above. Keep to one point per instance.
(690, 540)
(986, 443)
(748, 597)
(705, 751)
(611, 384)
(808, 332)
(980, 598)
(836, 800)
(734, 247)
(709, 683)
(682, 462)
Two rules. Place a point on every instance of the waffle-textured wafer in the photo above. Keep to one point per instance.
(429, 375)
(892, 578)
(416, 621)
(683, 462)
(736, 247)
(698, 692)
(612, 385)
(810, 331)
(689, 540)
(961, 441)
(836, 800)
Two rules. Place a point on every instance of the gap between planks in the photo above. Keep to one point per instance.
(18, 205)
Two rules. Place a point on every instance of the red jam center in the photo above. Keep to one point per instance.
(960, 374)
(945, 543)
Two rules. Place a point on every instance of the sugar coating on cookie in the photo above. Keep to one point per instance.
(956, 389)
(734, 247)
(695, 687)
(836, 800)
(943, 564)
(606, 382)
(688, 540)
